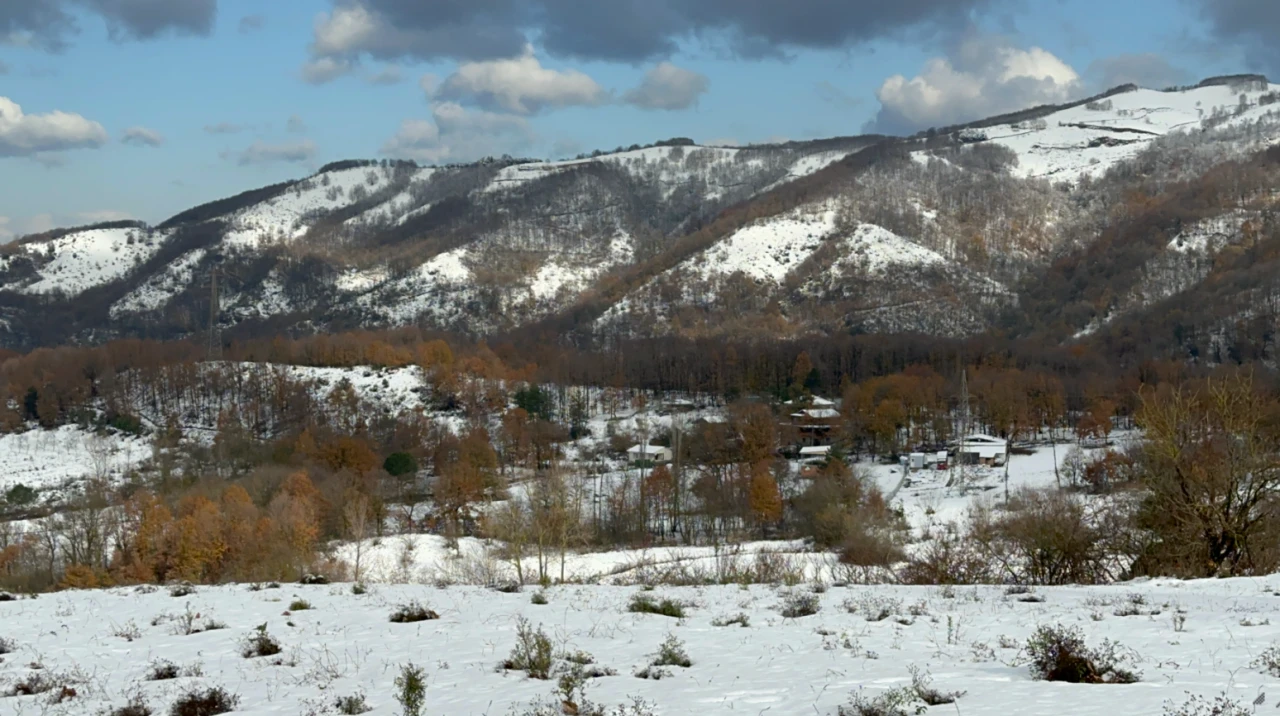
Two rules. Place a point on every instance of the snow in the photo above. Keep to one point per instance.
(873, 250)
(969, 639)
(160, 287)
(770, 249)
(282, 217)
(1061, 150)
(49, 459)
(85, 259)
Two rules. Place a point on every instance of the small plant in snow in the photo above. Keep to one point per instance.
(643, 603)
(162, 670)
(299, 605)
(800, 604)
(1221, 705)
(209, 701)
(532, 653)
(182, 589)
(922, 684)
(411, 689)
(901, 701)
(412, 612)
(741, 619)
(539, 598)
(137, 706)
(1059, 653)
(128, 632)
(259, 643)
(1268, 661)
(672, 653)
(7, 646)
(352, 705)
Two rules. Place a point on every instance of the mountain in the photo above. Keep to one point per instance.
(1066, 222)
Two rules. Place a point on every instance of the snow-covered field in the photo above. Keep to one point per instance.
(45, 459)
(1198, 637)
(84, 259)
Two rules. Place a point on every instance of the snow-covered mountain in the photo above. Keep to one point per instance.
(938, 233)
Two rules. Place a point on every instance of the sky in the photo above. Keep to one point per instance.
(113, 109)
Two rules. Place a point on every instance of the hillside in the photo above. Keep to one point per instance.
(950, 233)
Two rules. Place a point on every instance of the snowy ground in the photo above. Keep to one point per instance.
(969, 639)
(46, 459)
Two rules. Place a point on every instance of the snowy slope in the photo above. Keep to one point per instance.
(770, 249)
(161, 286)
(1085, 140)
(84, 259)
(45, 459)
(103, 644)
(871, 249)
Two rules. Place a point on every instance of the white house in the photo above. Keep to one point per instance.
(984, 450)
(649, 453)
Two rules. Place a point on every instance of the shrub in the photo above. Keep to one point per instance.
(400, 463)
(19, 495)
(922, 685)
(901, 701)
(653, 672)
(672, 653)
(299, 605)
(645, 604)
(800, 604)
(205, 702)
(874, 609)
(359, 588)
(1059, 653)
(37, 682)
(412, 612)
(539, 598)
(532, 653)
(1221, 705)
(259, 643)
(163, 670)
(137, 706)
(182, 589)
(312, 579)
(411, 689)
(7, 646)
(1268, 661)
(352, 705)
(741, 619)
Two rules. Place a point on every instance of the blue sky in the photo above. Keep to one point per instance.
(207, 98)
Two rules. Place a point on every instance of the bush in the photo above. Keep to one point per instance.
(259, 643)
(800, 604)
(312, 579)
(163, 670)
(352, 705)
(672, 653)
(922, 685)
(137, 706)
(1268, 661)
(205, 702)
(901, 701)
(645, 604)
(19, 495)
(532, 653)
(400, 463)
(7, 646)
(34, 683)
(412, 612)
(539, 598)
(1222, 705)
(411, 689)
(182, 589)
(741, 619)
(1059, 653)
(299, 605)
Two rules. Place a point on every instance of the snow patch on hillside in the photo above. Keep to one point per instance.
(61, 458)
(769, 249)
(160, 287)
(282, 218)
(873, 249)
(84, 259)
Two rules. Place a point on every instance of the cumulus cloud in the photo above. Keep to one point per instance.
(668, 87)
(47, 24)
(983, 76)
(457, 134)
(142, 137)
(1251, 24)
(620, 30)
(262, 153)
(322, 70)
(34, 134)
(252, 23)
(1145, 70)
(520, 85)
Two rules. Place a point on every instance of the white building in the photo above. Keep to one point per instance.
(983, 450)
(649, 453)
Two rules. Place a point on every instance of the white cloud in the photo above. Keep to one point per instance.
(262, 153)
(457, 134)
(984, 76)
(389, 75)
(325, 69)
(521, 85)
(668, 87)
(142, 137)
(30, 134)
